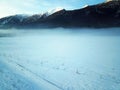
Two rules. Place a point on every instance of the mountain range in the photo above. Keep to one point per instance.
(103, 15)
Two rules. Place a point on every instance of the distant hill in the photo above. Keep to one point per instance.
(102, 15)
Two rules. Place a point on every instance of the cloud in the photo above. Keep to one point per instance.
(7, 9)
(10, 7)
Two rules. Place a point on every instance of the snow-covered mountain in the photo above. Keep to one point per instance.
(50, 12)
(105, 14)
(21, 18)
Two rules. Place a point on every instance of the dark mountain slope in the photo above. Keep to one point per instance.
(102, 15)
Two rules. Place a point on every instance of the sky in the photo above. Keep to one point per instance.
(11, 7)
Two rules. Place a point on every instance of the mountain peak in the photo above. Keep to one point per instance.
(106, 14)
(112, 0)
(50, 12)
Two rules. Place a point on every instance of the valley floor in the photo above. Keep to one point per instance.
(54, 60)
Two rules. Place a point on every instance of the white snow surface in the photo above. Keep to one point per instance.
(54, 10)
(60, 59)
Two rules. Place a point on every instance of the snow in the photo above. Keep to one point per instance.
(50, 12)
(9, 80)
(6, 21)
(60, 60)
(85, 6)
(21, 17)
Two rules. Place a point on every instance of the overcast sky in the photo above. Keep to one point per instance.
(11, 7)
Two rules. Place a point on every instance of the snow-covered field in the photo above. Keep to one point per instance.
(60, 59)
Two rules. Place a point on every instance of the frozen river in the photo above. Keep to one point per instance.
(60, 59)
